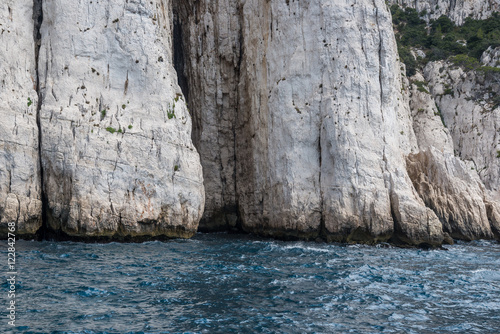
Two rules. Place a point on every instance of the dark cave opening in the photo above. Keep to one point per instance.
(179, 55)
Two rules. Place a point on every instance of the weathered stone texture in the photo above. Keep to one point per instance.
(468, 102)
(20, 190)
(312, 90)
(117, 154)
(208, 44)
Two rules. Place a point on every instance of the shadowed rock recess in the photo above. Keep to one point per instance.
(304, 121)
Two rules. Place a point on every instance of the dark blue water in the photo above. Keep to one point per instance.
(218, 283)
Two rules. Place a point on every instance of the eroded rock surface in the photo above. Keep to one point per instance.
(454, 193)
(117, 154)
(207, 42)
(20, 187)
(427, 122)
(469, 103)
(449, 186)
(491, 57)
(321, 128)
(306, 125)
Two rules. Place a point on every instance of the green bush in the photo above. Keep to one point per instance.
(171, 114)
(489, 69)
(469, 63)
(420, 86)
(442, 39)
(408, 59)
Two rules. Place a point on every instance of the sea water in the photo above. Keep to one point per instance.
(221, 283)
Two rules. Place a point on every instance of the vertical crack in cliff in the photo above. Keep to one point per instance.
(211, 114)
(182, 80)
(37, 37)
(239, 225)
(396, 219)
(322, 233)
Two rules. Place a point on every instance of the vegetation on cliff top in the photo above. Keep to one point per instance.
(441, 38)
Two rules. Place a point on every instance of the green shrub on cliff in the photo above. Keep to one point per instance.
(441, 38)
(469, 63)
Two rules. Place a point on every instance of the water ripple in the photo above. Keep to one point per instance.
(219, 283)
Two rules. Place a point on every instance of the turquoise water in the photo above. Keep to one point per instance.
(220, 283)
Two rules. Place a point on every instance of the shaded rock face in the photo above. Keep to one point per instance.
(116, 154)
(20, 187)
(456, 10)
(208, 50)
(310, 94)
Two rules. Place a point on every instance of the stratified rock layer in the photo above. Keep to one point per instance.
(117, 154)
(20, 191)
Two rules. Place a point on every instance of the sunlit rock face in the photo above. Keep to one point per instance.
(468, 103)
(304, 121)
(309, 95)
(20, 179)
(117, 154)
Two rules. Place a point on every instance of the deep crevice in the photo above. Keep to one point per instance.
(37, 37)
(225, 217)
(179, 54)
(239, 223)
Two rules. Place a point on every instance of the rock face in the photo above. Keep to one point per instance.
(469, 103)
(207, 49)
(491, 57)
(304, 121)
(20, 188)
(117, 155)
(457, 10)
(427, 123)
(448, 185)
(458, 198)
(312, 91)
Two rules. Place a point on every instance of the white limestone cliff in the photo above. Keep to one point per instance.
(305, 123)
(117, 155)
(20, 188)
(461, 189)
(491, 57)
(467, 102)
(321, 129)
(455, 121)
